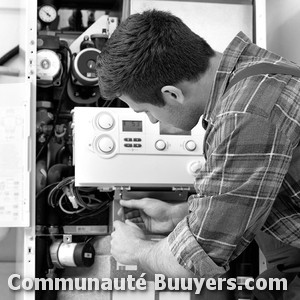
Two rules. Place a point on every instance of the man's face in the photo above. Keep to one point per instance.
(174, 115)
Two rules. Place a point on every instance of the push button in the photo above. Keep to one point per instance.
(190, 145)
(160, 145)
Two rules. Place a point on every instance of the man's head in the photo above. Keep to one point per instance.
(147, 55)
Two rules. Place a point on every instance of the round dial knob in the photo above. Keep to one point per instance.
(106, 144)
(105, 121)
(160, 145)
(190, 145)
(195, 166)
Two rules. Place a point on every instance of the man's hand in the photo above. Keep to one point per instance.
(129, 246)
(156, 215)
(126, 242)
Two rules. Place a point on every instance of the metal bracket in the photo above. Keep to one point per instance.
(67, 238)
(114, 188)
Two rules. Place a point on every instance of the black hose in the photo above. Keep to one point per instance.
(10, 54)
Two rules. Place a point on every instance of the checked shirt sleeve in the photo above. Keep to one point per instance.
(247, 159)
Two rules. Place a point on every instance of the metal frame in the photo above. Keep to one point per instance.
(26, 236)
(259, 14)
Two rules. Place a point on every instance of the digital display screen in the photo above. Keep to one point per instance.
(132, 126)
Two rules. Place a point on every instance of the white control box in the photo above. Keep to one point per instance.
(118, 147)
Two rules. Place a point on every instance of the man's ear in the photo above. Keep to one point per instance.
(171, 93)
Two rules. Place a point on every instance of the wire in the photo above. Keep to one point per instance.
(108, 103)
(69, 212)
(53, 194)
(105, 207)
(82, 200)
(45, 188)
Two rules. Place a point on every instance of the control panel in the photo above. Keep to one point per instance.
(118, 147)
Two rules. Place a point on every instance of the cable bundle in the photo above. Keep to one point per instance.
(76, 200)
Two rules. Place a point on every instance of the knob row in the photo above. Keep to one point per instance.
(106, 144)
(161, 145)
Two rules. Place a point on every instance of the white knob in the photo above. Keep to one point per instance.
(190, 145)
(106, 144)
(160, 145)
(195, 166)
(105, 121)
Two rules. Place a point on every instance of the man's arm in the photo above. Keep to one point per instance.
(247, 159)
(129, 245)
(156, 258)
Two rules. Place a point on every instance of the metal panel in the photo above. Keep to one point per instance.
(14, 152)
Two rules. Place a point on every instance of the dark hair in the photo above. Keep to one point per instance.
(148, 51)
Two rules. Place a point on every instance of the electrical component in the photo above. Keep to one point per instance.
(84, 66)
(48, 67)
(108, 138)
(72, 254)
(82, 86)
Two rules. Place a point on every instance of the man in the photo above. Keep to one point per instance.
(250, 181)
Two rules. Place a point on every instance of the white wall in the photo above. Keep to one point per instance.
(208, 19)
(12, 22)
(283, 28)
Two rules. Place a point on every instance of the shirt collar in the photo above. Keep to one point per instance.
(227, 65)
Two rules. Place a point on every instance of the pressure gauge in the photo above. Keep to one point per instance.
(47, 13)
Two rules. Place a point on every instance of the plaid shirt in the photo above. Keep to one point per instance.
(251, 178)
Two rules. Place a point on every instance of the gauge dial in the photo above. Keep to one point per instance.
(47, 13)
